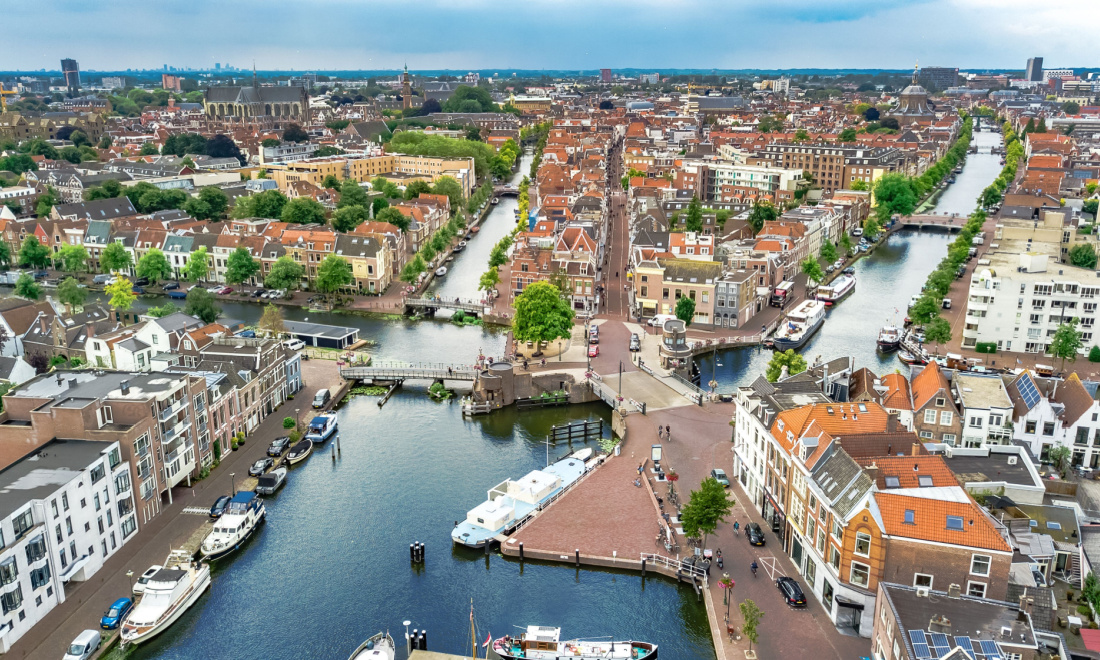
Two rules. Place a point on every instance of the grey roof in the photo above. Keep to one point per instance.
(720, 102)
(178, 322)
(99, 209)
(178, 244)
(133, 344)
(318, 330)
(991, 467)
(842, 481)
(356, 246)
(976, 391)
(42, 472)
(7, 365)
(978, 618)
(228, 94)
(98, 231)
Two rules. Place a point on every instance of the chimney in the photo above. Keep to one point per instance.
(940, 624)
(954, 590)
(916, 449)
(124, 386)
(89, 329)
(42, 324)
(872, 471)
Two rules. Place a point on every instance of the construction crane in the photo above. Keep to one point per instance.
(3, 101)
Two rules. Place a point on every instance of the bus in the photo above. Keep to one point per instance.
(782, 294)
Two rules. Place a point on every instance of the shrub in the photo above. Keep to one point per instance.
(986, 347)
(1084, 610)
(289, 423)
(1094, 354)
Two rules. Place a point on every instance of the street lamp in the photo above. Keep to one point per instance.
(130, 575)
(297, 413)
(233, 481)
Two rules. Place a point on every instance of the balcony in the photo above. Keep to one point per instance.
(171, 410)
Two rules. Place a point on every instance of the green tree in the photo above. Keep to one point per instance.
(1071, 107)
(115, 258)
(894, 194)
(828, 251)
(200, 303)
(5, 254)
(937, 331)
(351, 194)
(1083, 255)
(1058, 455)
(167, 309)
(270, 142)
(925, 309)
(154, 266)
(34, 254)
(349, 217)
(762, 211)
(393, 217)
(413, 190)
(26, 287)
(149, 149)
(751, 614)
(72, 259)
(330, 181)
(108, 190)
(990, 196)
(859, 184)
(333, 274)
(268, 204)
(295, 133)
(216, 198)
(1094, 354)
(794, 362)
(105, 142)
(413, 268)
(812, 270)
(491, 278)
(197, 266)
(498, 256)
(1091, 205)
(327, 150)
(466, 93)
(685, 310)
(847, 135)
(240, 266)
(1066, 342)
(46, 202)
(18, 163)
(71, 293)
(271, 321)
(446, 185)
(542, 314)
(285, 274)
(706, 507)
(694, 220)
(120, 294)
(303, 211)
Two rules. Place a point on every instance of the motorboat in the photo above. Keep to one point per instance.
(911, 358)
(462, 244)
(831, 294)
(168, 594)
(511, 501)
(243, 515)
(321, 428)
(377, 647)
(889, 338)
(496, 200)
(459, 248)
(475, 229)
(441, 271)
(544, 643)
(272, 481)
(802, 322)
(300, 451)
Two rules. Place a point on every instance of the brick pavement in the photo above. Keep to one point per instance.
(86, 601)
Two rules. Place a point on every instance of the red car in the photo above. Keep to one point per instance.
(593, 350)
(224, 290)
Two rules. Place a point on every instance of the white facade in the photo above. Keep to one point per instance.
(750, 440)
(986, 409)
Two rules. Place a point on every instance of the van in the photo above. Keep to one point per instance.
(83, 646)
(102, 279)
(659, 320)
(321, 399)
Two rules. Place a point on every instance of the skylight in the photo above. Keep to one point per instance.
(955, 522)
(893, 482)
(910, 517)
(925, 481)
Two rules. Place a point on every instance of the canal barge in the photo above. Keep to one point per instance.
(377, 647)
(168, 594)
(321, 428)
(801, 324)
(544, 643)
(831, 294)
(242, 516)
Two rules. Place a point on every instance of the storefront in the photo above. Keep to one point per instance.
(849, 609)
(773, 516)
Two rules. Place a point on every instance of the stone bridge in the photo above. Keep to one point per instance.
(432, 305)
(506, 191)
(401, 372)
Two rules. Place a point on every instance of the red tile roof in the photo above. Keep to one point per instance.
(930, 521)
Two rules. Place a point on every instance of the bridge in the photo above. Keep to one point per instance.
(930, 221)
(399, 372)
(432, 305)
(506, 191)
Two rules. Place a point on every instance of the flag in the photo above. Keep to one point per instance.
(488, 638)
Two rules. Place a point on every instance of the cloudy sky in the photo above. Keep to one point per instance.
(548, 34)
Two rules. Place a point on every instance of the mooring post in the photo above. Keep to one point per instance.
(577, 556)
(643, 566)
(521, 550)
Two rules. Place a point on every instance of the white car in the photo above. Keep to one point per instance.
(294, 344)
(83, 646)
(139, 586)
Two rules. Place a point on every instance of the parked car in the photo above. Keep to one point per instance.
(214, 289)
(830, 268)
(278, 446)
(113, 616)
(755, 534)
(225, 290)
(137, 290)
(294, 344)
(102, 278)
(83, 646)
(139, 586)
(850, 270)
(170, 286)
(719, 475)
(219, 506)
(257, 293)
(791, 592)
(247, 334)
(40, 274)
(260, 466)
(635, 342)
(141, 281)
(593, 350)
(321, 398)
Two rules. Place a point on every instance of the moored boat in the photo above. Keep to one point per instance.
(300, 451)
(268, 483)
(830, 294)
(544, 643)
(911, 358)
(441, 271)
(321, 428)
(168, 594)
(242, 516)
(889, 338)
(496, 200)
(377, 647)
(802, 322)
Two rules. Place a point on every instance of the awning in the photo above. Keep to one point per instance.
(648, 305)
(75, 571)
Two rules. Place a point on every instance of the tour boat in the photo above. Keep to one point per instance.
(300, 451)
(242, 516)
(889, 338)
(441, 271)
(378, 647)
(268, 483)
(802, 322)
(321, 428)
(544, 643)
(509, 502)
(831, 294)
(168, 594)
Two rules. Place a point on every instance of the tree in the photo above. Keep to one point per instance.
(167, 309)
(71, 293)
(847, 135)
(871, 114)
(197, 266)
(937, 331)
(415, 188)
(333, 274)
(285, 274)
(925, 309)
(348, 218)
(751, 614)
(812, 270)
(891, 123)
(222, 146)
(303, 211)
(706, 507)
(828, 251)
(894, 194)
(26, 287)
(153, 266)
(859, 184)
(200, 303)
(762, 211)
(240, 266)
(1091, 205)
(337, 125)
(46, 202)
(685, 310)
(694, 220)
(1094, 354)
(473, 133)
(5, 254)
(71, 154)
(149, 149)
(491, 278)
(216, 198)
(34, 254)
(268, 204)
(331, 181)
(393, 217)
(430, 106)
(498, 256)
(1066, 342)
(115, 258)
(448, 186)
(120, 294)
(794, 362)
(295, 133)
(1083, 255)
(1071, 107)
(105, 142)
(1058, 455)
(72, 259)
(271, 142)
(542, 314)
(1042, 126)
(801, 135)
(351, 194)
(466, 93)
(108, 190)
(18, 163)
(271, 321)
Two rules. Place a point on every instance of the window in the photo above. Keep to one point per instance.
(941, 402)
(910, 517)
(838, 532)
(9, 570)
(979, 565)
(863, 544)
(40, 577)
(12, 600)
(922, 580)
(1048, 428)
(21, 523)
(36, 549)
(834, 558)
(976, 589)
(955, 523)
(946, 417)
(924, 481)
(926, 435)
(949, 438)
(1029, 427)
(976, 422)
(861, 574)
(929, 416)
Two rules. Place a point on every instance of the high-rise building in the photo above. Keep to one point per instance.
(71, 70)
(605, 75)
(1034, 70)
(217, 66)
(170, 82)
(938, 77)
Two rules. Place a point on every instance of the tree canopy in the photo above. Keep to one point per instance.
(200, 303)
(794, 362)
(154, 266)
(464, 93)
(1066, 342)
(285, 274)
(120, 294)
(394, 217)
(762, 211)
(333, 274)
(1083, 255)
(268, 204)
(198, 265)
(685, 310)
(34, 254)
(894, 194)
(542, 314)
(71, 293)
(812, 270)
(706, 507)
(72, 259)
(240, 266)
(26, 287)
(418, 143)
(303, 211)
(295, 133)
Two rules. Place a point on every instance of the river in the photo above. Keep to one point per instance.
(331, 566)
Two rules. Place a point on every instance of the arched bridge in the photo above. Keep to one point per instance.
(401, 372)
(506, 191)
(432, 305)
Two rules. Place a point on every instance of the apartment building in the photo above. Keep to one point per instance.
(402, 168)
(986, 408)
(712, 176)
(834, 167)
(936, 415)
(67, 506)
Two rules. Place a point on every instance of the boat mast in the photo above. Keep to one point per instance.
(473, 636)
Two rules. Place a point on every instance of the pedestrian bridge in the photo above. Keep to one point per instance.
(402, 372)
(506, 191)
(431, 305)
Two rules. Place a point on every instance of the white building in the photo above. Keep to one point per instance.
(66, 508)
(986, 408)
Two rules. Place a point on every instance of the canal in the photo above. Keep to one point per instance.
(331, 566)
(885, 281)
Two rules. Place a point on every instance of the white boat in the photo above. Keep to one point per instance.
(168, 594)
(377, 647)
(321, 428)
(544, 643)
(268, 483)
(242, 516)
(441, 271)
(889, 338)
(300, 451)
(802, 322)
(830, 294)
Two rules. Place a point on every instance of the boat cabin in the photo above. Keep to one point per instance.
(534, 487)
(491, 515)
(242, 502)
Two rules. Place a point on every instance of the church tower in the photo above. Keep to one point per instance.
(406, 89)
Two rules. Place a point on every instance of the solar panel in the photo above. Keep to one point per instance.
(940, 645)
(964, 644)
(917, 637)
(990, 649)
(1028, 391)
(921, 651)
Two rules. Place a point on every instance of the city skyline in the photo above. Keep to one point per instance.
(572, 35)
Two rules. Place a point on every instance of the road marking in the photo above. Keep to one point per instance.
(771, 565)
(196, 510)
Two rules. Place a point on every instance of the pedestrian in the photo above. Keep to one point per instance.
(640, 468)
(668, 432)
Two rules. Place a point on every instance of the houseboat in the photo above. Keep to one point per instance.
(321, 428)
(544, 643)
(242, 516)
(802, 322)
(831, 294)
(168, 594)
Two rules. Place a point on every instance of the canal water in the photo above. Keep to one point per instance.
(331, 566)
